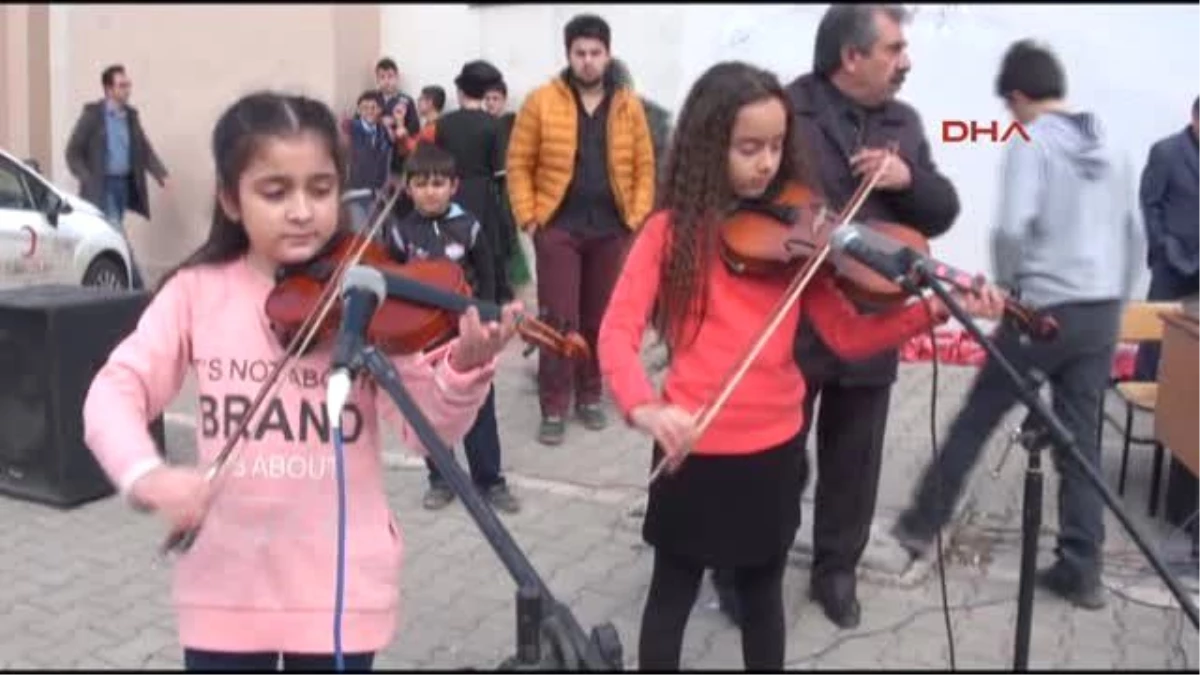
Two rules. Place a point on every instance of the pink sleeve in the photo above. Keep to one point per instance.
(856, 336)
(449, 399)
(619, 345)
(140, 378)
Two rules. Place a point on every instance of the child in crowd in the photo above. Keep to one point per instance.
(439, 228)
(395, 101)
(520, 272)
(370, 156)
(430, 104)
(259, 583)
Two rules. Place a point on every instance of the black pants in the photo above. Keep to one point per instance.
(673, 588)
(851, 424)
(482, 448)
(1077, 366)
(207, 661)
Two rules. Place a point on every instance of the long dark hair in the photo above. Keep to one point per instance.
(696, 188)
(239, 133)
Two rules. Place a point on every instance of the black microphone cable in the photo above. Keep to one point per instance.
(937, 475)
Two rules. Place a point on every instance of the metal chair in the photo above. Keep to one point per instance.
(1140, 323)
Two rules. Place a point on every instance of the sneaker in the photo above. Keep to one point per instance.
(437, 497)
(592, 416)
(1079, 590)
(502, 499)
(552, 431)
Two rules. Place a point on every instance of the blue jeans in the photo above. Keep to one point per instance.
(481, 445)
(1077, 366)
(116, 201)
(207, 661)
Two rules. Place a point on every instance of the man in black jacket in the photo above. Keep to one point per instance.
(847, 115)
(1171, 214)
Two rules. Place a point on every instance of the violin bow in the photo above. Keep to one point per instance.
(795, 289)
(181, 540)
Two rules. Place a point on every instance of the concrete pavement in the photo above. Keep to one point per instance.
(82, 590)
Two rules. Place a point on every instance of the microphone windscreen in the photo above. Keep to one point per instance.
(875, 239)
(365, 278)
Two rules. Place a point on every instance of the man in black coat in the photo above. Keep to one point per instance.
(847, 115)
(110, 154)
(1171, 214)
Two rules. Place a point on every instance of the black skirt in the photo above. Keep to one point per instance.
(728, 510)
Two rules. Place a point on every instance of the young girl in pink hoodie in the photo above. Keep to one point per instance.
(258, 585)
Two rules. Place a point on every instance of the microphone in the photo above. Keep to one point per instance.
(884, 256)
(363, 290)
(894, 260)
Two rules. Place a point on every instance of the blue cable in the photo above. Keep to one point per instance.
(340, 464)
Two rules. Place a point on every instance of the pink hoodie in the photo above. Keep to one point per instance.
(261, 575)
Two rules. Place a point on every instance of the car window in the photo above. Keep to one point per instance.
(13, 194)
(37, 190)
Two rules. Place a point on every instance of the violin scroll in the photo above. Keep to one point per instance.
(537, 333)
(1037, 325)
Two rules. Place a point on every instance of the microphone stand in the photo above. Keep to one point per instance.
(1040, 429)
(548, 635)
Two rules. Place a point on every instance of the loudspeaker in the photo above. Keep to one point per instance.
(53, 341)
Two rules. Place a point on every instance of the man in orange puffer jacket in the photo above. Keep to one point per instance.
(580, 180)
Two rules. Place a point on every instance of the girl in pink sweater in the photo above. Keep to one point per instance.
(259, 582)
(735, 502)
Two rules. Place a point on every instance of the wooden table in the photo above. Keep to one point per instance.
(1177, 413)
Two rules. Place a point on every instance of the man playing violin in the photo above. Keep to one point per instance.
(847, 117)
(1068, 240)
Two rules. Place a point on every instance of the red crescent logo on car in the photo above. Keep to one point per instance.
(32, 241)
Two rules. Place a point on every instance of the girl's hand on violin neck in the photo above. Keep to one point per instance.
(673, 427)
(179, 493)
(479, 343)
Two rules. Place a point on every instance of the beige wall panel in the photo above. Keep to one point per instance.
(6, 94)
(356, 44)
(40, 131)
(14, 79)
(188, 63)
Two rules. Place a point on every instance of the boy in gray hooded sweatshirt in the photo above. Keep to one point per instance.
(1067, 240)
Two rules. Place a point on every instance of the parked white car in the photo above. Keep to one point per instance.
(49, 236)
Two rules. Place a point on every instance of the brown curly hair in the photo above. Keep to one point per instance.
(696, 189)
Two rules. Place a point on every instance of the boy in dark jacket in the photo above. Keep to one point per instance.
(370, 154)
(439, 228)
(495, 101)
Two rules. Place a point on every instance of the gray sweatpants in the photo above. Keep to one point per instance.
(1077, 366)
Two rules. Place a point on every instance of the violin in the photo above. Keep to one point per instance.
(421, 311)
(423, 300)
(776, 237)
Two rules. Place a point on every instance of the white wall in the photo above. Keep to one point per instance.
(431, 42)
(1136, 67)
